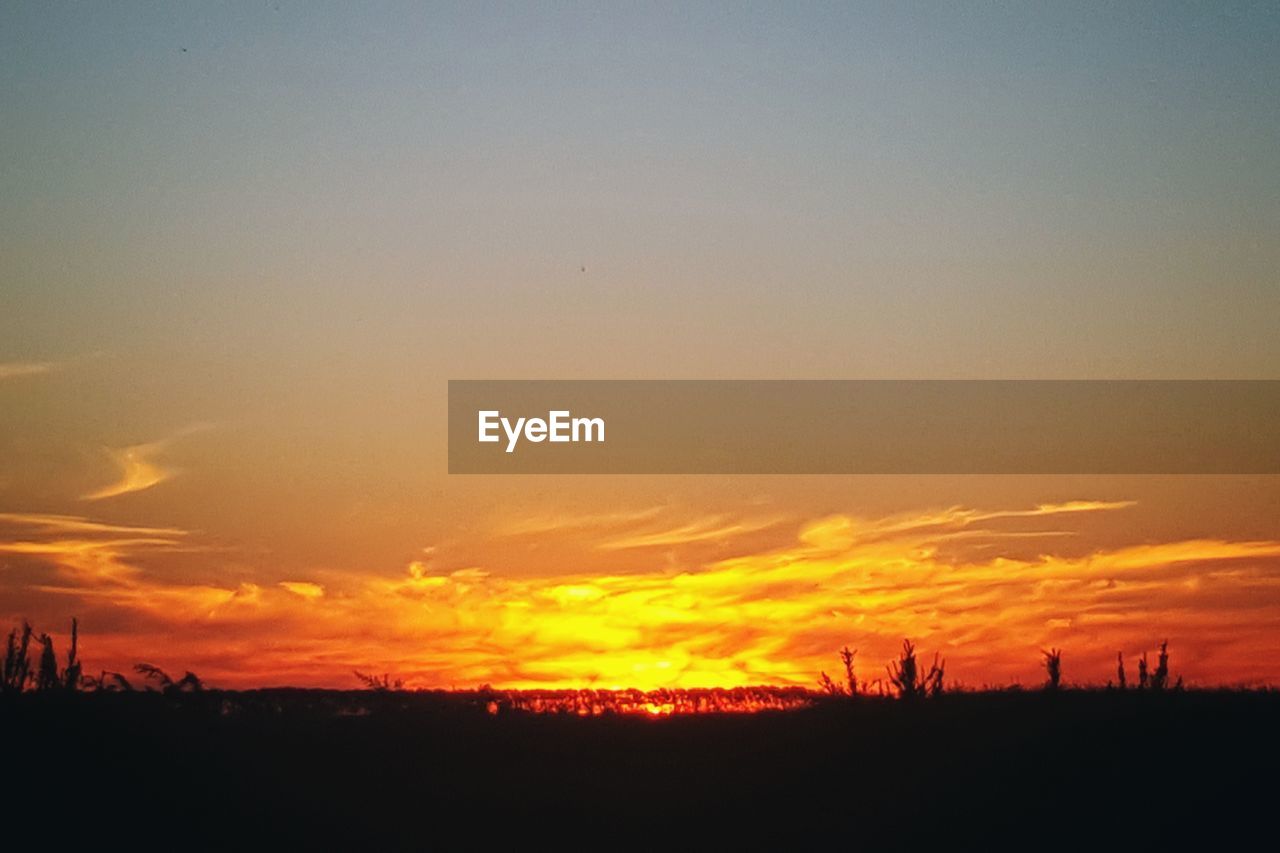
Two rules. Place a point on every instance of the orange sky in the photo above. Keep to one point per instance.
(775, 613)
(241, 256)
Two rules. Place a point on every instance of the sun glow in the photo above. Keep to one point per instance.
(773, 616)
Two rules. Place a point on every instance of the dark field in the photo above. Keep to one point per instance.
(402, 769)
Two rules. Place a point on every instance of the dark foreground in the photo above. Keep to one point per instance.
(371, 771)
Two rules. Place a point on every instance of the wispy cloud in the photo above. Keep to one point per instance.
(842, 529)
(1070, 506)
(51, 523)
(775, 614)
(83, 551)
(140, 467)
(651, 527)
(16, 369)
(706, 529)
(543, 524)
(303, 589)
(138, 470)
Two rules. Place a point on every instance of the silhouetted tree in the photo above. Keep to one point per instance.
(1142, 672)
(1120, 669)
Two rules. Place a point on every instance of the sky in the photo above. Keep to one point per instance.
(244, 246)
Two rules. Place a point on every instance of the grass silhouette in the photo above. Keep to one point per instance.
(16, 663)
(387, 768)
(908, 679)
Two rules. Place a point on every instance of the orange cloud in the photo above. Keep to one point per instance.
(710, 528)
(139, 469)
(303, 589)
(776, 615)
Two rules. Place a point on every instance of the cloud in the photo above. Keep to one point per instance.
(83, 552)
(78, 524)
(303, 589)
(16, 369)
(139, 468)
(542, 524)
(1069, 506)
(774, 615)
(643, 528)
(709, 528)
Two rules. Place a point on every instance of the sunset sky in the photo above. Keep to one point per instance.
(243, 247)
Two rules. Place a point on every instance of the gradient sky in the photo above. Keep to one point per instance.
(243, 247)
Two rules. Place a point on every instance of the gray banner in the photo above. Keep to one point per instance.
(864, 427)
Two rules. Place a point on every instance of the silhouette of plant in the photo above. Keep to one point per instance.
(154, 673)
(381, 683)
(851, 680)
(1160, 679)
(1053, 668)
(189, 682)
(828, 686)
(1142, 672)
(850, 686)
(933, 680)
(905, 675)
(47, 674)
(71, 676)
(107, 681)
(16, 663)
(120, 681)
(1120, 669)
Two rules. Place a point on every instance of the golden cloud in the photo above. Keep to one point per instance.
(776, 615)
(139, 467)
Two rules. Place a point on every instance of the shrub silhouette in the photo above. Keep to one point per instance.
(107, 681)
(1160, 679)
(71, 676)
(850, 687)
(381, 683)
(47, 674)
(905, 675)
(16, 663)
(1053, 668)
(189, 682)
(1120, 669)
(828, 686)
(851, 680)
